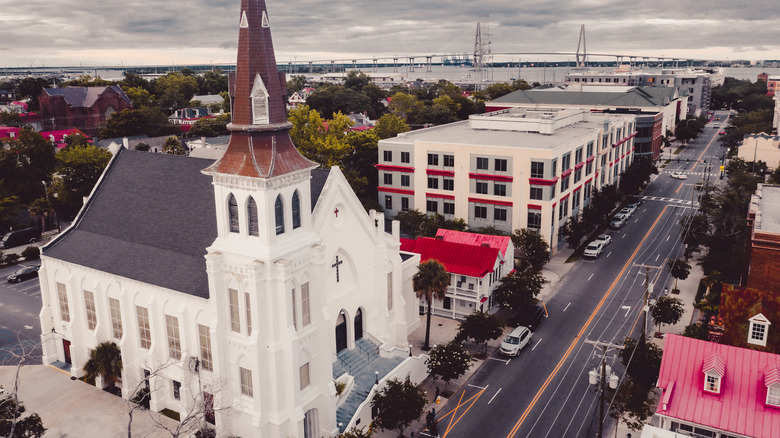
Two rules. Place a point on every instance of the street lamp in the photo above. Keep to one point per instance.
(46, 192)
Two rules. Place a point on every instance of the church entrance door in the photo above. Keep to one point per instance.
(359, 324)
(341, 333)
(66, 350)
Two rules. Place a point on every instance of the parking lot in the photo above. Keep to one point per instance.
(20, 328)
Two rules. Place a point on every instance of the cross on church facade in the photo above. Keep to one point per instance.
(336, 265)
(336, 211)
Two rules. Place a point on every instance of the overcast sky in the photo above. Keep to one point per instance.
(163, 32)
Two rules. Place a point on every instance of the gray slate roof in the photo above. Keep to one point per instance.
(636, 97)
(151, 219)
(84, 97)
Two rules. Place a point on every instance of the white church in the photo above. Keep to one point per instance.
(242, 290)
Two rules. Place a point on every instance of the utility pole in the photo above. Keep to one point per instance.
(605, 346)
(646, 306)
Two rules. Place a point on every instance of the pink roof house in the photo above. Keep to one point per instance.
(717, 390)
(474, 273)
(9, 132)
(502, 243)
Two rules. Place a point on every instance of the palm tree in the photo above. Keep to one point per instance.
(430, 281)
(105, 360)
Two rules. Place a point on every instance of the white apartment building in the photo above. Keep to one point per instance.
(509, 169)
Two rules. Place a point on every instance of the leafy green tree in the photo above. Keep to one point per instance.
(356, 80)
(327, 146)
(397, 405)
(26, 161)
(430, 282)
(211, 127)
(667, 310)
(518, 290)
(140, 97)
(212, 82)
(31, 88)
(80, 168)
(642, 361)
(434, 222)
(536, 251)
(12, 422)
(356, 433)
(630, 404)
(696, 331)
(128, 122)
(411, 222)
(105, 360)
(134, 80)
(405, 106)
(575, 230)
(172, 145)
(435, 115)
(448, 362)
(494, 91)
(680, 269)
(296, 83)
(389, 126)
(481, 327)
(333, 99)
(359, 165)
(174, 90)
(11, 118)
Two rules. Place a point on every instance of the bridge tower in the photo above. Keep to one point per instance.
(582, 59)
(483, 52)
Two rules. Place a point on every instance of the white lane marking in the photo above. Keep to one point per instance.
(567, 306)
(609, 253)
(668, 237)
(628, 309)
(656, 257)
(480, 387)
(506, 361)
(491, 399)
(591, 276)
(536, 344)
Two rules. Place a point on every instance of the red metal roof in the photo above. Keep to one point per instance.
(739, 408)
(457, 258)
(501, 243)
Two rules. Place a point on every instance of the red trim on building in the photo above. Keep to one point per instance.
(566, 173)
(565, 197)
(439, 172)
(394, 190)
(578, 166)
(543, 182)
(387, 167)
(534, 206)
(623, 140)
(577, 188)
(591, 158)
(590, 179)
(439, 195)
(490, 177)
(490, 201)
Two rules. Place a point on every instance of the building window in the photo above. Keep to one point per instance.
(433, 159)
(246, 382)
(405, 157)
(431, 206)
(554, 168)
(482, 163)
(552, 191)
(89, 304)
(116, 318)
(534, 220)
(499, 189)
(388, 202)
(566, 162)
(499, 214)
(563, 209)
(577, 175)
(433, 182)
(388, 178)
(773, 395)
(235, 319)
(482, 187)
(296, 210)
(449, 207)
(248, 312)
(565, 183)
(389, 291)
(174, 342)
(449, 161)
(712, 383)
(305, 305)
(204, 336)
(279, 215)
(294, 303)
(448, 184)
(144, 333)
(388, 155)
(537, 169)
(480, 212)
(757, 332)
(176, 390)
(589, 168)
(62, 294)
(575, 203)
(233, 213)
(587, 191)
(303, 374)
(404, 204)
(251, 213)
(537, 193)
(590, 149)
(500, 165)
(578, 155)
(405, 181)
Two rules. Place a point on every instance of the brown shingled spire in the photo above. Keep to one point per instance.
(260, 144)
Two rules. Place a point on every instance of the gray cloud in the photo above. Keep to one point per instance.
(67, 32)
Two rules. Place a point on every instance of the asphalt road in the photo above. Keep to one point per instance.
(20, 328)
(544, 392)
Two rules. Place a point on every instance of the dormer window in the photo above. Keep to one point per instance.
(714, 368)
(773, 395)
(758, 330)
(712, 383)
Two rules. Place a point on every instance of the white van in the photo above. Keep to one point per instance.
(516, 341)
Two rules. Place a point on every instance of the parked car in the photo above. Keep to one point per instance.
(20, 237)
(618, 221)
(627, 211)
(679, 175)
(531, 317)
(605, 239)
(23, 274)
(593, 249)
(633, 206)
(515, 341)
(716, 125)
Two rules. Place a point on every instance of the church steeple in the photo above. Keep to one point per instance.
(260, 144)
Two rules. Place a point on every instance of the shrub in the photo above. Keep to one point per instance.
(31, 253)
(11, 259)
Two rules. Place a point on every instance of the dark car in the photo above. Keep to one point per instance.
(531, 317)
(23, 274)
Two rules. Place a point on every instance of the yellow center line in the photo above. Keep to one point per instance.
(678, 188)
(702, 153)
(474, 398)
(582, 330)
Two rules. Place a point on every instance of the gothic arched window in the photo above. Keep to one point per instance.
(296, 210)
(251, 210)
(233, 213)
(279, 213)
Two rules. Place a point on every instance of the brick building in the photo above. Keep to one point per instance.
(84, 108)
(762, 261)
